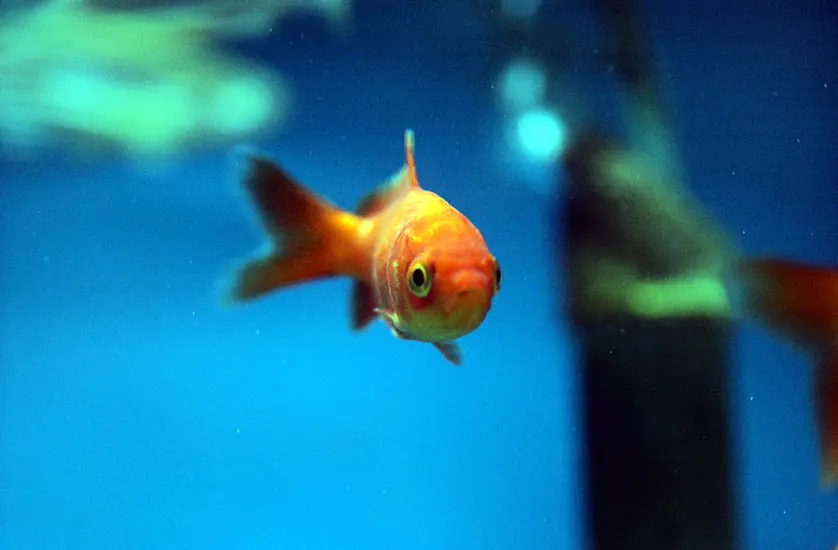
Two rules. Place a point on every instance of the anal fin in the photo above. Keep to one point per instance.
(363, 305)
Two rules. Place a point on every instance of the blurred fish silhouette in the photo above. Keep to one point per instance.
(418, 263)
(801, 301)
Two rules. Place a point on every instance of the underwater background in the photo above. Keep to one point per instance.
(137, 412)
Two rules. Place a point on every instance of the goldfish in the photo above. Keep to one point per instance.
(417, 263)
(801, 302)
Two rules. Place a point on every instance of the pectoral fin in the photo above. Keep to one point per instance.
(391, 319)
(451, 351)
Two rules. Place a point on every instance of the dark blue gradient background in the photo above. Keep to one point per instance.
(136, 413)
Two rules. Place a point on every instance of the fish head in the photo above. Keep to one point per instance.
(450, 288)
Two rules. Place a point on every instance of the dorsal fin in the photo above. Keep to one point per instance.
(394, 188)
(409, 144)
(384, 195)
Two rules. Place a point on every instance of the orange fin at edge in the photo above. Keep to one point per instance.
(827, 402)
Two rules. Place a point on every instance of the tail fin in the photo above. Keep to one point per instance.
(798, 299)
(802, 302)
(827, 399)
(310, 238)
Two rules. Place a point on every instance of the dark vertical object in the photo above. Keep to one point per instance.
(655, 390)
(657, 428)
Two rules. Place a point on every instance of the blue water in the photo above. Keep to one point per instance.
(137, 413)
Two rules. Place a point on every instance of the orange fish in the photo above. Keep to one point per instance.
(802, 302)
(418, 263)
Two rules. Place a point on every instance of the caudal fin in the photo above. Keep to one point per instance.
(827, 399)
(310, 239)
(801, 301)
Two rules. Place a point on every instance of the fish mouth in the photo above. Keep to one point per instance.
(467, 308)
(467, 281)
(465, 299)
(469, 303)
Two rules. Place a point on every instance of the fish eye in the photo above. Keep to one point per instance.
(418, 281)
(497, 278)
